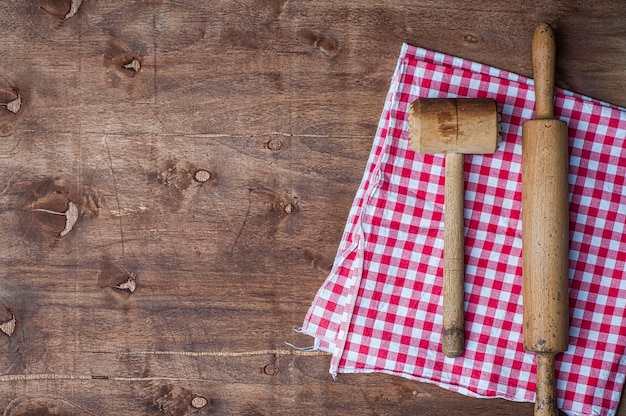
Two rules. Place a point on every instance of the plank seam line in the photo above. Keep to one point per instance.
(36, 377)
(73, 377)
(208, 135)
(232, 354)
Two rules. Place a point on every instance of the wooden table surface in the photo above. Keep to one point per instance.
(199, 159)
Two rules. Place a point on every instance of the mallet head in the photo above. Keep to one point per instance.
(454, 125)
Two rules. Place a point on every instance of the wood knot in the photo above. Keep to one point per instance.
(202, 175)
(8, 327)
(270, 369)
(73, 9)
(13, 102)
(471, 38)
(199, 402)
(130, 284)
(133, 65)
(274, 145)
(174, 400)
(14, 105)
(177, 175)
(62, 9)
(54, 207)
(327, 46)
(70, 214)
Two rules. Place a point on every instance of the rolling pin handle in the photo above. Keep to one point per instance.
(545, 397)
(544, 59)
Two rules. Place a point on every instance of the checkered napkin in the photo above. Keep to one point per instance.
(380, 307)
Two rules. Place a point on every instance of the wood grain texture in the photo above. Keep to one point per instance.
(123, 102)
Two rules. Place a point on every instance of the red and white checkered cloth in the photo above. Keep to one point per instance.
(380, 307)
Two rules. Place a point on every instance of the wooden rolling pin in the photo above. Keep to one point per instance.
(545, 226)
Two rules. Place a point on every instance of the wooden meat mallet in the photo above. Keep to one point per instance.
(545, 225)
(454, 126)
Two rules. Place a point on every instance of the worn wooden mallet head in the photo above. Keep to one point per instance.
(454, 126)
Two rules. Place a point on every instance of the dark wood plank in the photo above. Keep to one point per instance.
(278, 101)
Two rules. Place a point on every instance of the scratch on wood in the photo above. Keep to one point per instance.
(155, 49)
(11, 180)
(33, 405)
(117, 196)
(73, 9)
(279, 7)
(245, 220)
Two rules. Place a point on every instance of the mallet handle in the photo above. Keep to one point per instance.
(453, 336)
